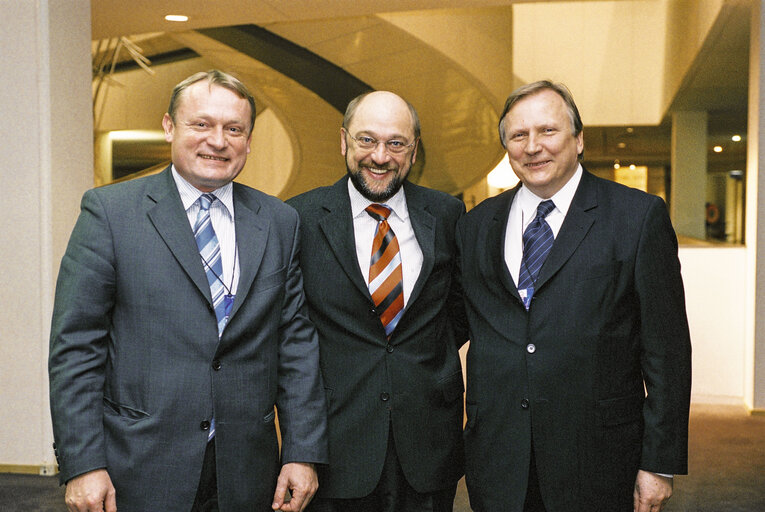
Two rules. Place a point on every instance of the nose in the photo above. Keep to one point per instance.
(532, 144)
(380, 153)
(216, 138)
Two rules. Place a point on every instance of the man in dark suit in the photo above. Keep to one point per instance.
(388, 353)
(179, 322)
(579, 372)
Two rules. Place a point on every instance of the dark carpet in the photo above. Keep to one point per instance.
(726, 465)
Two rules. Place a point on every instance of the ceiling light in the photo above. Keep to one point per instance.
(717, 149)
(176, 17)
(736, 138)
(621, 145)
(616, 165)
(630, 130)
(632, 167)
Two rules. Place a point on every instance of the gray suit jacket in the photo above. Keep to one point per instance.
(411, 383)
(136, 367)
(569, 377)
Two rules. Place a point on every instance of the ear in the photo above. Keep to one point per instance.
(580, 143)
(414, 150)
(343, 142)
(249, 142)
(168, 126)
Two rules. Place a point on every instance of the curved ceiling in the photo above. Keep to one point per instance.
(305, 72)
(454, 73)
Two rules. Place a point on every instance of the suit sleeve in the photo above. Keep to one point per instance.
(665, 346)
(300, 400)
(79, 342)
(456, 303)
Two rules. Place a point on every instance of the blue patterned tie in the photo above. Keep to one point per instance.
(209, 250)
(537, 241)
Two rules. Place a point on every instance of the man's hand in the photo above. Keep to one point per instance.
(91, 492)
(301, 480)
(652, 492)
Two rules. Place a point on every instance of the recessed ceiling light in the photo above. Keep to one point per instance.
(176, 17)
(632, 167)
(621, 145)
(616, 166)
(736, 138)
(630, 130)
(717, 149)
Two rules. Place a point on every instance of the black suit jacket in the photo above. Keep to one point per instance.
(136, 366)
(412, 383)
(567, 377)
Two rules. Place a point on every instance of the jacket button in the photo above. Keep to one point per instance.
(531, 348)
(205, 425)
(525, 403)
(216, 365)
(389, 348)
(384, 397)
(373, 311)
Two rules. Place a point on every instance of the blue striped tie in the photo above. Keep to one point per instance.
(209, 250)
(537, 241)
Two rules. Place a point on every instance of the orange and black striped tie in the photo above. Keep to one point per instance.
(385, 277)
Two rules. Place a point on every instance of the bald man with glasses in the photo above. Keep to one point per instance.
(381, 285)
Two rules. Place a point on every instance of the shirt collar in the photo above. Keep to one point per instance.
(529, 201)
(397, 203)
(190, 194)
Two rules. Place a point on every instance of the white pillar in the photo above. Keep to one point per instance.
(47, 164)
(754, 385)
(689, 173)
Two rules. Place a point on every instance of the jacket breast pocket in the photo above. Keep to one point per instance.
(601, 270)
(270, 280)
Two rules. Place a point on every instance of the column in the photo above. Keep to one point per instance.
(47, 133)
(689, 173)
(754, 383)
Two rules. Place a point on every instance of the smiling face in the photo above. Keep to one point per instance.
(540, 142)
(210, 135)
(376, 173)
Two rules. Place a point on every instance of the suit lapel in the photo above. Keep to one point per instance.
(337, 226)
(575, 227)
(424, 226)
(169, 218)
(251, 238)
(494, 264)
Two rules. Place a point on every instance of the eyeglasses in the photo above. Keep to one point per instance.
(393, 146)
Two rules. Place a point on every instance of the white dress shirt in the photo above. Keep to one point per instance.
(522, 213)
(364, 227)
(222, 218)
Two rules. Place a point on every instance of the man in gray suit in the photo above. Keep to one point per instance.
(179, 323)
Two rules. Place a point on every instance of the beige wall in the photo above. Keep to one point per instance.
(609, 53)
(48, 164)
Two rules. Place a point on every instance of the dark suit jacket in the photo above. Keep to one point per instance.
(412, 383)
(607, 317)
(135, 362)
